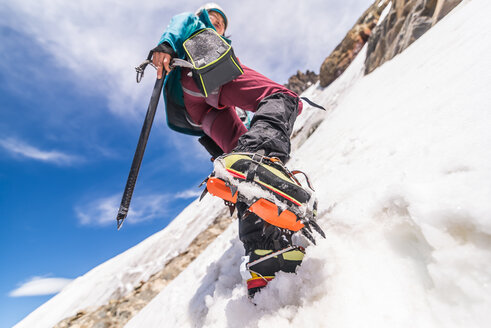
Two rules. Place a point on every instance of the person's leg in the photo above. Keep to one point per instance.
(222, 125)
(275, 107)
(194, 101)
(261, 239)
(249, 89)
(271, 127)
(275, 110)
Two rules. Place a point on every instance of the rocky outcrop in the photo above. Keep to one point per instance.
(299, 82)
(406, 21)
(118, 312)
(342, 56)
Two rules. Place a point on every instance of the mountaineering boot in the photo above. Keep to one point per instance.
(271, 205)
(268, 189)
(268, 249)
(267, 172)
(263, 264)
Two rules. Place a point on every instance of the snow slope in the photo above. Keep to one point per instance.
(402, 167)
(121, 274)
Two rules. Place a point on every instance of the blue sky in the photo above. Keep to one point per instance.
(71, 114)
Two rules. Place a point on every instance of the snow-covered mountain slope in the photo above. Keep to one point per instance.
(402, 167)
(121, 274)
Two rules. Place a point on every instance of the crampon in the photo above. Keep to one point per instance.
(268, 188)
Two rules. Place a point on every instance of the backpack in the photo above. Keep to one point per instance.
(211, 60)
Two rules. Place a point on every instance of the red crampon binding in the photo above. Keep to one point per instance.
(265, 209)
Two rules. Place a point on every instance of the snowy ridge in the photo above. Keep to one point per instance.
(329, 98)
(119, 275)
(401, 167)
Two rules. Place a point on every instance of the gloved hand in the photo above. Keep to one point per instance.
(161, 58)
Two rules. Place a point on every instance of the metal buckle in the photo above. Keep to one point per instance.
(261, 157)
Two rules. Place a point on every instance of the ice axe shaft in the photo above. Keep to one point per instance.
(140, 150)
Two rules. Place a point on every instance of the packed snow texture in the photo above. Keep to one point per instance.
(402, 169)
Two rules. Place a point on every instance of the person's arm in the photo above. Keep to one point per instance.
(162, 55)
(180, 28)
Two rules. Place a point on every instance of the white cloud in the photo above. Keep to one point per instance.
(40, 286)
(102, 40)
(99, 212)
(20, 148)
(190, 193)
(148, 207)
(103, 211)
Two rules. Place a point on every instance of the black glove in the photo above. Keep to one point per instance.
(166, 48)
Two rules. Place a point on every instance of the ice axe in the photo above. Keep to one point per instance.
(142, 142)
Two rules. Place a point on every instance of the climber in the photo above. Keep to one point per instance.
(214, 118)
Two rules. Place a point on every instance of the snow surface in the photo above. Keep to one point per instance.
(121, 274)
(402, 169)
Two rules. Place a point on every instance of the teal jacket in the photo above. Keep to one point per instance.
(180, 28)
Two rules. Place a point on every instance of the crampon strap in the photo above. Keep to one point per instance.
(256, 159)
(266, 257)
(305, 175)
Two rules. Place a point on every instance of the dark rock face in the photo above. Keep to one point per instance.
(342, 56)
(406, 21)
(299, 82)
